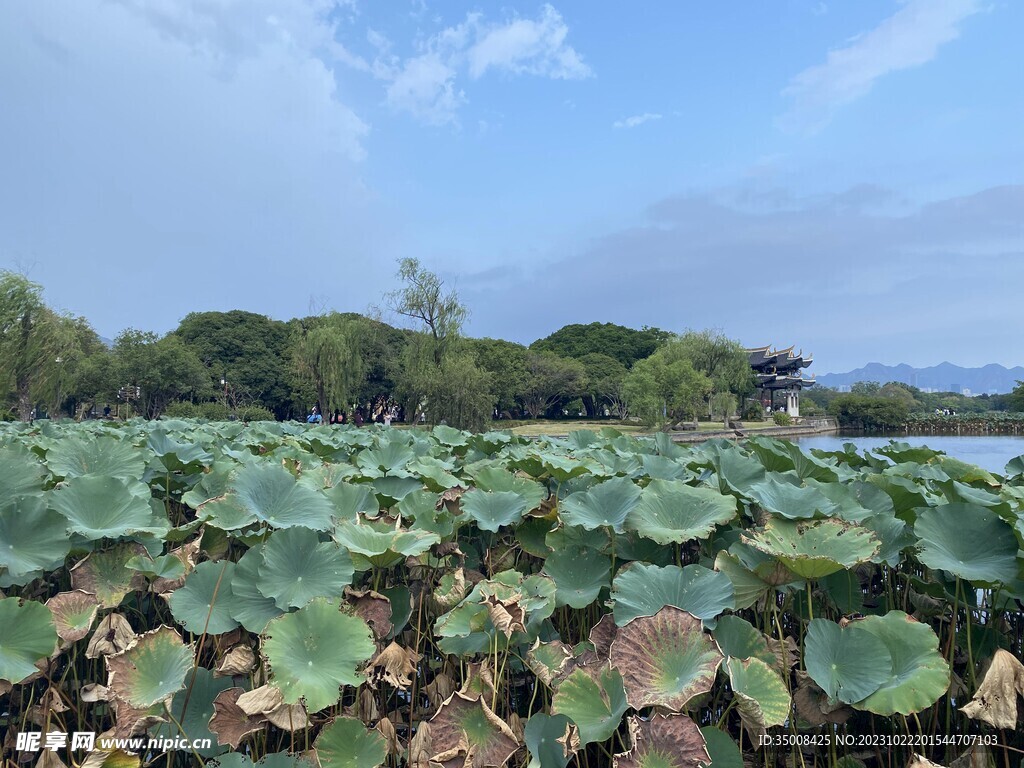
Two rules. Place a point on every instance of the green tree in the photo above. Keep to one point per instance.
(250, 352)
(865, 388)
(32, 338)
(328, 358)
(550, 379)
(723, 405)
(665, 388)
(869, 411)
(624, 344)
(423, 298)
(605, 379)
(506, 362)
(1015, 400)
(164, 370)
(723, 360)
(438, 371)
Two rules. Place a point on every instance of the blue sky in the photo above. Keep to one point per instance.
(845, 176)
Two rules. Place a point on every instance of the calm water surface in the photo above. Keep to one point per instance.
(988, 451)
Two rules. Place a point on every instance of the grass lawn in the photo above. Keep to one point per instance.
(535, 428)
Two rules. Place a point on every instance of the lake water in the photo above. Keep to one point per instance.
(988, 451)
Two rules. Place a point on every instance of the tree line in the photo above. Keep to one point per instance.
(240, 364)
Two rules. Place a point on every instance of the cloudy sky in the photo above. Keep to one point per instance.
(843, 176)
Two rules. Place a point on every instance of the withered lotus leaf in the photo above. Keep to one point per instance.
(666, 659)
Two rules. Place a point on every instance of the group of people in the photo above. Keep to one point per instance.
(383, 416)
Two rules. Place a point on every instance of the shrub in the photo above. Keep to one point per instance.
(782, 419)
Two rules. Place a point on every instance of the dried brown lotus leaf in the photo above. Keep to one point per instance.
(260, 700)
(439, 689)
(506, 615)
(449, 592)
(132, 721)
(102, 758)
(479, 680)
(813, 705)
(5, 687)
(420, 747)
(49, 759)
(73, 614)
(786, 653)
(373, 608)
(493, 742)
(113, 635)
(601, 635)
(995, 701)
(387, 730)
(517, 726)
(673, 741)
(240, 660)
(230, 723)
(92, 692)
(976, 756)
(394, 665)
(919, 761)
(368, 710)
(289, 717)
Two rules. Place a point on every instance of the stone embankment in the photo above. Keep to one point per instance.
(805, 428)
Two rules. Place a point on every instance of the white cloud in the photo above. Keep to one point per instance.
(909, 38)
(425, 87)
(425, 84)
(635, 120)
(531, 46)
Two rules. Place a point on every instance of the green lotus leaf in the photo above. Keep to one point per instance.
(664, 468)
(813, 549)
(401, 607)
(203, 604)
(422, 508)
(269, 493)
(901, 452)
(392, 489)
(671, 511)
(466, 721)
(316, 650)
(594, 700)
(605, 504)
(178, 456)
(98, 507)
(250, 607)
(550, 661)
(643, 590)
(152, 669)
(27, 634)
(192, 708)
(848, 663)
(346, 743)
(723, 750)
(666, 659)
(101, 456)
(434, 474)
(664, 741)
(579, 574)
(739, 639)
(762, 697)
(548, 738)
(773, 494)
(163, 567)
(906, 495)
(493, 509)
(353, 499)
(21, 474)
(496, 479)
(32, 537)
(381, 545)
(211, 485)
(387, 456)
(106, 573)
(748, 587)
(919, 675)
(297, 567)
(969, 541)
(735, 470)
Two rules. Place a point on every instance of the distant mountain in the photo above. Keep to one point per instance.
(944, 377)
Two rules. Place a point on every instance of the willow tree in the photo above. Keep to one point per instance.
(439, 370)
(30, 341)
(328, 357)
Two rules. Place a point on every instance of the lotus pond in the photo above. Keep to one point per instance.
(348, 598)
